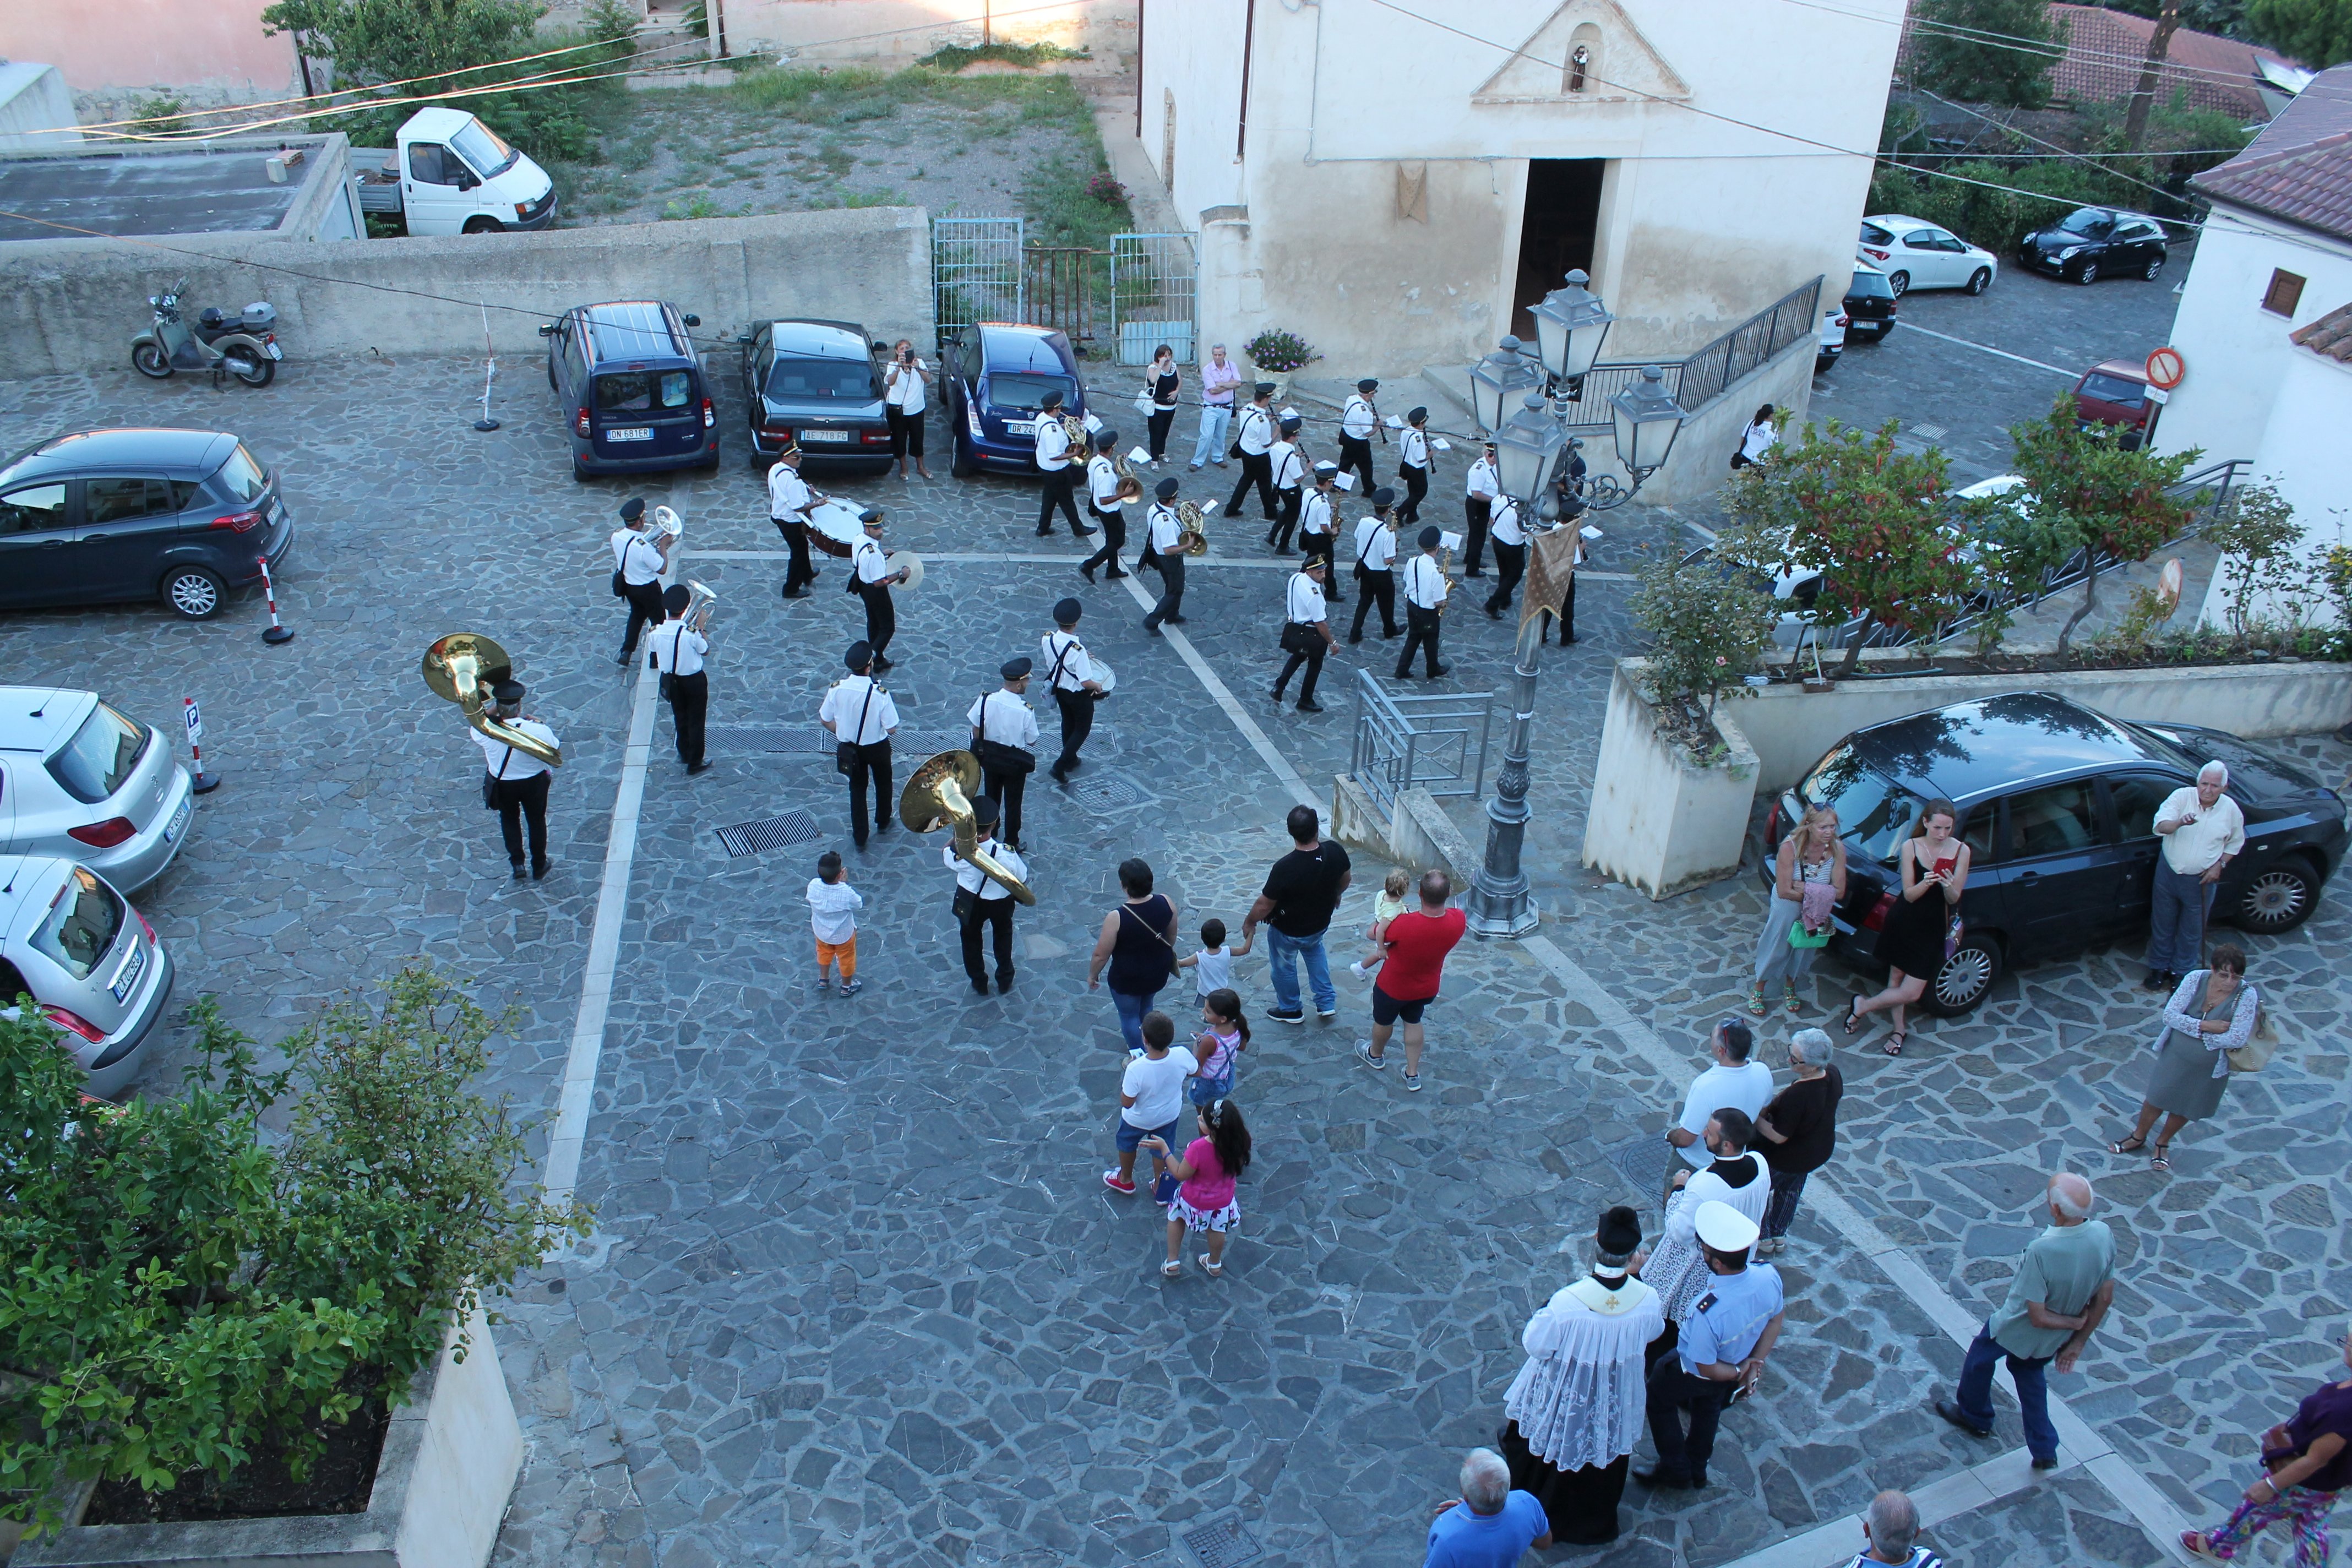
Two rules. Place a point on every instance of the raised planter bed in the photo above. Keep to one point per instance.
(450, 1462)
(1660, 821)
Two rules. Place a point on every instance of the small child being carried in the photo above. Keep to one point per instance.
(1387, 904)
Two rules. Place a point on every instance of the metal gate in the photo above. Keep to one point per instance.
(1066, 287)
(976, 272)
(1153, 289)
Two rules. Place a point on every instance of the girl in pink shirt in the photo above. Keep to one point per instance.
(1207, 1171)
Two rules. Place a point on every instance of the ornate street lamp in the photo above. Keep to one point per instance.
(1647, 419)
(1529, 451)
(1570, 322)
(1499, 380)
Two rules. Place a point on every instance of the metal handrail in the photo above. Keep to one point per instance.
(1401, 741)
(1700, 378)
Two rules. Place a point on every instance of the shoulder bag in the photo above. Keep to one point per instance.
(668, 684)
(998, 756)
(1298, 636)
(1129, 909)
(844, 751)
(490, 781)
(2255, 1054)
(966, 900)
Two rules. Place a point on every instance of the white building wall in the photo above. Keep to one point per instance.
(35, 109)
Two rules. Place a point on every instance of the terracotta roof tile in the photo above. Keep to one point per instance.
(2330, 336)
(2300, 168)
(2103, 49)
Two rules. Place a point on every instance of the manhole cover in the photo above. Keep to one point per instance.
(1224, 1545)
(1932, 432)
(1108, 792)
(1643, 1162)
(770, 833)
(772, 740)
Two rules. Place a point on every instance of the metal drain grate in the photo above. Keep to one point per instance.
(770, 833)
(1643, 1162)
(770, 739)
(1109, 791)
(1224, 1545)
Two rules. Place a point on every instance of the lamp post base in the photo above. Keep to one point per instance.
(1509, 919)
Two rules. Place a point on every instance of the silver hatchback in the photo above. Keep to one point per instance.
(90, 962)
(78, 779)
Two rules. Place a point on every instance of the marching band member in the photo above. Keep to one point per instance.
(1307, 633)
(1375, 550)
(1161, 531)
(677, 651)
(1052, 461)
(861, 715)
(639, 559)
(1478, 511)
(1425, 603)
(1413, 465)
(519, 780)
(1319, 524)
(789, 499)
(1510, 555)
(1070, 677)
(1255, 439)
(1289, 464)
(992, 901)
(871, 580)
(1005, 738)
(1103, 500)
(1357, 419)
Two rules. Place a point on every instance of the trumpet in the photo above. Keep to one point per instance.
(1191, 529)
(698, 614)
(464, 668)
(939, 795)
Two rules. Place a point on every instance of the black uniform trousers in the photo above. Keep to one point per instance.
(689, 704)
(1078, 710)
(1476, 512)
(1114, 533)
(1312, 659)
(1059, 492)
(1257, 469)
(1286, 520)
(1356, 453)
(1378, 588)
(1005, 789)
(1171, 606)
(799, 572)
(881, 616)
(996, 912)
(869, 764)
(520, 801)
(1421, 632)
(1672, 1391)
(1311, 545)
(1567, 616)
(1416, 485)
(1510, 562)
(644, 610)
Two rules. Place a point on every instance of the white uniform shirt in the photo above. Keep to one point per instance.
(1102, 483)
(847, 699)
(1503, 526)
(1482, 480)
(1164, 527)
(1424, 584)
(1290, 466)
(1052, 443)
(1314, 513)
(872, 563)
(638, 556)
(2193, 846)
(1359, 417)
(1065, 670)
(973, 879)
(788, 494)
(1412, 447)
(676, 650)
(1004, 717)
(508, 763)
(903, 386)
(1304, 601)
(1375, 544)
(1257, 430)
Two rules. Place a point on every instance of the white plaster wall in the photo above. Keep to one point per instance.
(35, 109)
(1656, 822)
(2305, 453)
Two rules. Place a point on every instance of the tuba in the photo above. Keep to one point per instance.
(1191, 529)
(463, 667)
(697, 612)
(939, 795)
(668, 523)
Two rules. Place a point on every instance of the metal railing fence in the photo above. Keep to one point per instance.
(1436, 743)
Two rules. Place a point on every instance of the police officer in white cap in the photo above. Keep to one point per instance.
(1319, 527)
(989, 903)
(1159, 553)
(1255, 437)
(1052, 461)
(1289, 479)
(1720, 1355)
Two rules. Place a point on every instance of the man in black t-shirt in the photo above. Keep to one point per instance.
(1301, 891)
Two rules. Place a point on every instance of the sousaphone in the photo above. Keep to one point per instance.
(939, 795)
(465, 668)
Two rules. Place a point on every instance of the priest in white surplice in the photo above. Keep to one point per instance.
(1576, 1408)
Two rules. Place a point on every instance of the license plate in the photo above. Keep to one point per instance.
(825, 435)
(635, 433)
(273, 350)
(124, 982)
(172, 829)
(1021, 428)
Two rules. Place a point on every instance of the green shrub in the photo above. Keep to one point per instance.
(955, 56)
(1710, 623)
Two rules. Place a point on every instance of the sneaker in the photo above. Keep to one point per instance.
(1755, 999)
(1357, 969)
(1364, 1055)
(1327, 1013)
(1413, 1082)
(1110, 1179)
(1287, 1015)
(853, 987)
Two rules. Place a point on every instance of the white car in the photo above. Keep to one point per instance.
(90, 962)
(1915, 253)
(1833, 339)
(80, 780)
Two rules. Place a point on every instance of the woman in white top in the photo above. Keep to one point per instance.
(1811, 856)
(1760, 436)
(903, 402)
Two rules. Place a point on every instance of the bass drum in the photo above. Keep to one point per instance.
(834, 527)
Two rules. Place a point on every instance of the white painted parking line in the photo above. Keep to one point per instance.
(970, 558)
(1988, 349)
(1224, 699)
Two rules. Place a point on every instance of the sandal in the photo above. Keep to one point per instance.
(1852, 1018)
(2131, 1145)
(1756, 1000)
(1789, 999)
(2197, 1544)
(2160, 1162)
(1214, 1270)
(1170, 1269)
(1894, 1046)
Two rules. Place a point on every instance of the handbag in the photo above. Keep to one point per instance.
(1143, 400)
(620, 584)
(1297, 637)
(966, 900)
(1164, 1187)
(1952, 937)
(1799, 937)
(2255, 1054)
(846, 751)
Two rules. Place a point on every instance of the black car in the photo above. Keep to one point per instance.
(1869, 304)
(817, 382)
(2092, 243)
(2058, 807)
(119, 516)
(630, 384)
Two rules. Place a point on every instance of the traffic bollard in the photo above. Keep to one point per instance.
(202, 782)
(276, 632)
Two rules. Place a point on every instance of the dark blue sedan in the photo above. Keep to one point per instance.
(995, 375)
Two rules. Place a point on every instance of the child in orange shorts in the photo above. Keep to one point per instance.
(833, 905)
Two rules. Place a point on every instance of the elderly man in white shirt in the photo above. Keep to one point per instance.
(2202, 830)
(1218, 379)
(1734, 1080)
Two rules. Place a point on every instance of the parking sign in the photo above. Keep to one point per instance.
(195, 717)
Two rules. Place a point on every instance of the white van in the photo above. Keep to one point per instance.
(452, 175)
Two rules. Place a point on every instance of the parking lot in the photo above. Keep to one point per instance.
(857, 1295)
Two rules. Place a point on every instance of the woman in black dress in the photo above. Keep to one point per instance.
(1139, 944)
(1162, 382)
(1934, 866)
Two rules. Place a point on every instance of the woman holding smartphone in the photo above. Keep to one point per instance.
(1935, 866)
(1161, 382)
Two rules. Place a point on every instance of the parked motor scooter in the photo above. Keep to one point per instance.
(240, 351)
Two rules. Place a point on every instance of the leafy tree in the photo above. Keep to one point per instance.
(2257, 535)
(2013, 546)
(2111, 499)
(2317, 32)
(1960, 63)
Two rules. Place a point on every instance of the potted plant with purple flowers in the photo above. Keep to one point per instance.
(1276, 356)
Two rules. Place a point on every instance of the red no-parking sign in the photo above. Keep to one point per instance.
(2166, 368)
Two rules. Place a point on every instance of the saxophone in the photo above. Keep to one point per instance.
(1445, 575)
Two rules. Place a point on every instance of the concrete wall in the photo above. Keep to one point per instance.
(897, 32)
(468, 1457)
(1701, 459)
(35, 109)
(215, 46)
(1418, 835)
(1658, 821)
(1702, 222)
(79, 301)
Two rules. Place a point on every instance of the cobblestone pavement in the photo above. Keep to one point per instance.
(857, 1295)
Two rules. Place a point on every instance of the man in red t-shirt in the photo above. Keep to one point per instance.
(1418, 941)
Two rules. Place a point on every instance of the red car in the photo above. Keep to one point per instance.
(2114, 392)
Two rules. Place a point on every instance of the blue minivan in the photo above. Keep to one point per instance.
(632, 389)
(995, 375)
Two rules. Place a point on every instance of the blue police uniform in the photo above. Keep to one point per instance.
(1724, 1326)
